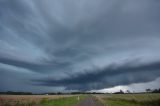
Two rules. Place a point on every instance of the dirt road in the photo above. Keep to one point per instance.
(88, 101)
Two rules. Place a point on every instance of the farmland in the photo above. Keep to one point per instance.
(38, 100)
(130, 99)
(145, 99)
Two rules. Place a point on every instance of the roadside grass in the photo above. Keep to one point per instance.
(122, 102)
(131, 99)
(64, 101)
(119, 103)
(60, 102)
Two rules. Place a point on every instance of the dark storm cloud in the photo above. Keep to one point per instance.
(40, 68)
(72, 43)
(107, 77)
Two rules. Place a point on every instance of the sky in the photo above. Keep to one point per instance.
(79, 45)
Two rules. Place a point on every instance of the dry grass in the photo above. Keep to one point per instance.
(136, 97)
(146, 99)
(13, 99)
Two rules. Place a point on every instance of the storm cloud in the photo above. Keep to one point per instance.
(78, 44)
(107, 77)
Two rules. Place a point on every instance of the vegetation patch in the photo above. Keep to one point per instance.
(123, 102)
(64, 101)
(131, 99)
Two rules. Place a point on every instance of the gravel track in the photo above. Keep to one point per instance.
(88, 101)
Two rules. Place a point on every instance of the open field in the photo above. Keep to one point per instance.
(146, 99)
(130, 99)
(38, 100)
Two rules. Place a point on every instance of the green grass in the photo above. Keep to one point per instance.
(132, 100)
(59, 102)
(65, 101)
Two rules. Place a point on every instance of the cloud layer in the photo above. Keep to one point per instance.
(78, 45)
(107, 77)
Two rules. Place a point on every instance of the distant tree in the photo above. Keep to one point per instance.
(148, 90)
(121, 92)
(18, 93)
(59, 93)
(128, 91)
(156, 91)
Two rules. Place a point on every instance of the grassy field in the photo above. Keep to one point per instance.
(130, 99)
(146, 99)
(38, 100)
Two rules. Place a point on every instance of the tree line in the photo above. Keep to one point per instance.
(62, 93)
